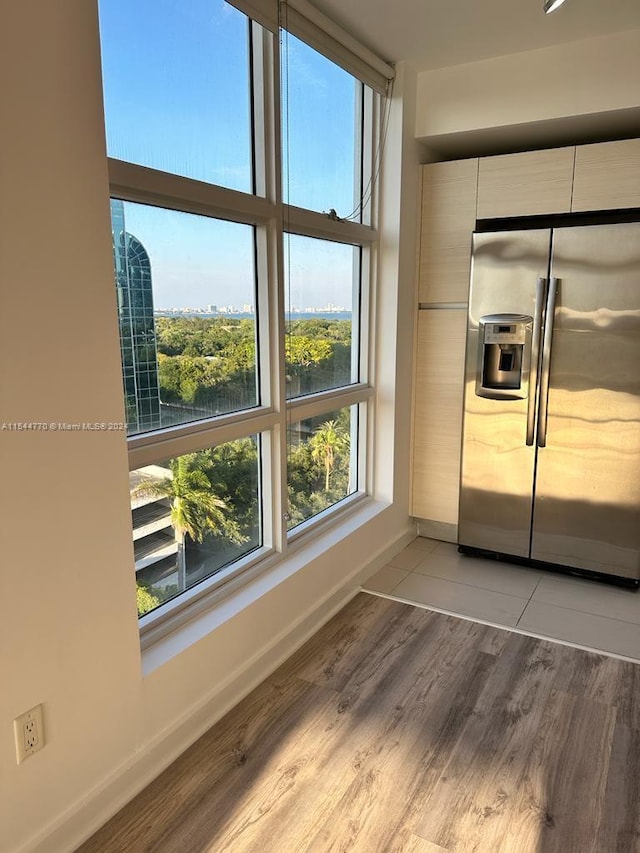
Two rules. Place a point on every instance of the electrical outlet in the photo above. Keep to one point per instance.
(28, 731)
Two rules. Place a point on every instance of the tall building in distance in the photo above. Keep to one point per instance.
(137, 328)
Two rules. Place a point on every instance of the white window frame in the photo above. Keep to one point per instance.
(267, 213)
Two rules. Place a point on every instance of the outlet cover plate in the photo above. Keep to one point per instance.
(28, 730)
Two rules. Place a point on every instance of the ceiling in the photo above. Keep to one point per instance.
(438, 33)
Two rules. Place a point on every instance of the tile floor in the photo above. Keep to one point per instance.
(581, 613)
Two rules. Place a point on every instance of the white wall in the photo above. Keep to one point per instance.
(396, 306)
(68, 614)
(590, 77)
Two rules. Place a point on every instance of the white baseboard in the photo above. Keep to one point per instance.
(85, 817)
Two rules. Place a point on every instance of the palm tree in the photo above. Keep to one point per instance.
(327, 442)
(195, 509)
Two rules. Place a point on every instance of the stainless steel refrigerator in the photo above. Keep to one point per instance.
(551, 431)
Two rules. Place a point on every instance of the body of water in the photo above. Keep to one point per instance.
(297, 315)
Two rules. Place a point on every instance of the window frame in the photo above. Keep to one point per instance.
(265, 210)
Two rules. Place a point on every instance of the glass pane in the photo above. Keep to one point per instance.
(186, 292)
(192, 516)
(322, 294)
(320, 133)
(176, 88)
(321, 456)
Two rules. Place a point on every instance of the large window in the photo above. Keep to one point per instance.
(242, 237)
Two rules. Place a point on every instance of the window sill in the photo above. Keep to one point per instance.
(163, 639)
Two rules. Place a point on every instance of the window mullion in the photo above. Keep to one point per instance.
(274, 368)
(313, 405)
(370, 147)
(198, 437)
(275, 466)
(310, 223)
(362, 467)
(267, 172)
(131, 182)
(359, 171)
(367, 272)
(356, 318)
(261, 63)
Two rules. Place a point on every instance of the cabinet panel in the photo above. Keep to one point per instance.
(607, 176)
(438, 413)
(525, 184)
(448, 218)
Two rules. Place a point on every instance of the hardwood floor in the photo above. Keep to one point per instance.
(399, 730)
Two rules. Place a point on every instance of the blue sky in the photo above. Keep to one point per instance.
(176, 89)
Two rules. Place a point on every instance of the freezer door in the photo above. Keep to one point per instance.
(509, 271)
(587, 493)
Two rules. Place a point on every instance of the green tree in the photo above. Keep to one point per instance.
(169, 378)
(196, 510)
(319, 328)
(302, 351)
(239, 355)
(328, 442)
(237, 480)
(146, 600)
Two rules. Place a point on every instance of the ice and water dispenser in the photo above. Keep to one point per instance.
(504, 356)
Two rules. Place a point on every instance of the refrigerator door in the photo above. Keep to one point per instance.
(587, 492)
(509, 272)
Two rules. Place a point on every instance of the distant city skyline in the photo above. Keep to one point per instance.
(197, 260)
(330, 308)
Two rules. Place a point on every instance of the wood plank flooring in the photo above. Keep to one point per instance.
(399, 730)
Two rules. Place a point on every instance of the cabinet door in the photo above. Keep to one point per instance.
(448, 218)
(438, 413)
(607, 176)
(525, 184)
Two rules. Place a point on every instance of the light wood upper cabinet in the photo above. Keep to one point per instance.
(525, 184)
(607, 176)
(438, 413)
(448, 219)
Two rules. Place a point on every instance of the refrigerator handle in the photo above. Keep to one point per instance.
(546, 362)
(535, 357)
